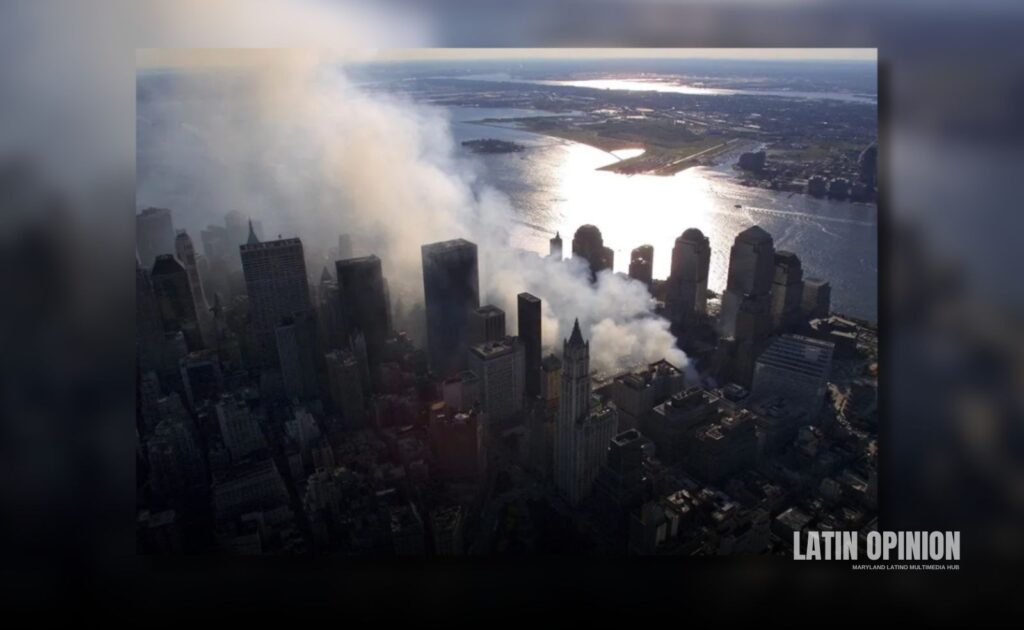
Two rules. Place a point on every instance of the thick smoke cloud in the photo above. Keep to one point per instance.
(291, 140)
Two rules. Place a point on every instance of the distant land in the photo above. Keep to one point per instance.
(491, 145)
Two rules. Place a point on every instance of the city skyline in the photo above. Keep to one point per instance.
(436, 355)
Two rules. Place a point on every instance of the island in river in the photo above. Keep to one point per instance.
(491, 145)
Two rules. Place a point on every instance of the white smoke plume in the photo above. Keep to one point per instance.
(288, 138)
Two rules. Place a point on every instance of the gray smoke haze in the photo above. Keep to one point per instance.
(289, 139)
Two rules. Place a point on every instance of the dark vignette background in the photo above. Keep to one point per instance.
(952, 93)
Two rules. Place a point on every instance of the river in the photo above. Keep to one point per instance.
(555, 186)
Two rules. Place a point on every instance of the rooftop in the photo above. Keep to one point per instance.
(443, 247)
(492, 349)
(804, 355)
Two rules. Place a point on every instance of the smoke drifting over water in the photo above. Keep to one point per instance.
(290, 140)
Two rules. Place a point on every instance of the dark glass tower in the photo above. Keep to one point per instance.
(529, 336)
(451, 291)
(363, 301)
(174, 299)
(687, 286)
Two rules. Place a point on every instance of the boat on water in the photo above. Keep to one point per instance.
(737, 206)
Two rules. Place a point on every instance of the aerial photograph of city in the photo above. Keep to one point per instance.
(475, 302)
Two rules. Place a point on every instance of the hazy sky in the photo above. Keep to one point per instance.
(867, 54)
(170, 58)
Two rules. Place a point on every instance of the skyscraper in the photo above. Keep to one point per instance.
(529, 310)
(364, 305)
(186, 253)
(345, 384)
(486, 323)
(787, 290)
(296, 341)
(277, 286)
(451, 291)
(582, 432)
(235, 226)
(555, 245)
(589, 245)
(344, 246)
(329, 310)
(687, 284)
(551, 382)
(751, 271)
(154, 234)
(817, 298)
(174, 299)
(499, 367)
(641, 264)
(620, 482)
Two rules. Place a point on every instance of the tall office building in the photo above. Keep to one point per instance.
(345, 384)
(751, 272)
(551, 382)
(499, 366)
(461, 392)
(154, 234)
(582, 432)
(364, 305)
(555, 247)
(672, 424)
(787, 291)
(277, 286)
(817, 298)
(174, 299)
(344, 246)
(451, 291)
(796, 368)
(588, 244)
(723, 447)
(237, 230)
(186, 253)
(636, 393)
(687, 284)
(529, 311)
(297, 347)
(621, 482)
(486, 323)
(745, 321)
(328, 304)
(641, 264)
(215, 243)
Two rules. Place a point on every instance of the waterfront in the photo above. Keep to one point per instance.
(555, 186)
